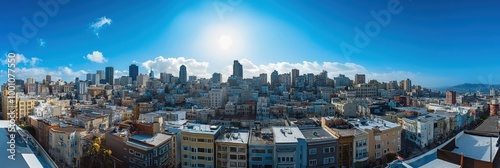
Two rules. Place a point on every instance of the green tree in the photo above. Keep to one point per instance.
(96, 156)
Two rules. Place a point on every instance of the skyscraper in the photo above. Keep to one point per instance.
(110, 75)
(152, 74)
(295, 73)
(182, 74)
(48, 78)
(451, 97)
(237, 69)
(359, 78)
(102, 76)
(407, 85)
(216, 77)
(275, 79)
(133, 72)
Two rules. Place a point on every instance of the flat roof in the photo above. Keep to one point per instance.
(287, 134)
(374, 123)
(416, 109)
(264, 138)
(201, 128)
(25, 157)
(490, 125)
(440, 163)
(155, 140)
(240, 137)
(476, 147)
(317, 134)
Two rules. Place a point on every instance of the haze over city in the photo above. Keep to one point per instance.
(435, 44)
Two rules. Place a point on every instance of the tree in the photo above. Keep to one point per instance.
(97, 157)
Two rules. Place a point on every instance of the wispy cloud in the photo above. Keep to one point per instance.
(41, 42)
(99, 24)
(96, 56)
(20, 58)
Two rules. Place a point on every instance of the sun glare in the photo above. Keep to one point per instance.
(225, 42)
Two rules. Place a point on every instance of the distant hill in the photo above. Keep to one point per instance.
(472, 87)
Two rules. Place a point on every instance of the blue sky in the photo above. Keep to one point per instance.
(433, 43)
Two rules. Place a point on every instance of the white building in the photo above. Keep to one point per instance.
(218, 97)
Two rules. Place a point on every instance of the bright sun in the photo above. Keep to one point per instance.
(225, 42)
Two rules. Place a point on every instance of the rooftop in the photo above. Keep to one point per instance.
(374, 123)
(476, 147)
(317, 135)
(26, 154)
(239, 136)
(201, 128)
(287, 134)
(415, 109)
(150, 139)
(490, 125)
(262, 137)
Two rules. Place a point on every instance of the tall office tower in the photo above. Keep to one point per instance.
(48, 78)
(89, 77)
(237, 69)
(263, 78)
(216, 77)
(182, 74)
(451, 97)
(30, 80)
(101, 74)
(359, 79)
(295, 73)
(133, 71)
(95, 79)
(152, 74)
(110, 75)
(82, 87)
(275, 79)
(407, 85)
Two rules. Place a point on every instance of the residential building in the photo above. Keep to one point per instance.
(198, 147)
(359, 79)
(232, 149)
(383, 137)
(290, 148)
(321, 147)
(451, 97)
(237, 69)
(261, 148)
(65, 145)
(142, 146)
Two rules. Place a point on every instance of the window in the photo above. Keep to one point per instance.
(269, 151)
(232, 149)
(242, 157)
(202, 150)
(313, 151)
(328, 160)
(328, 150)
(258, 151)
(232, 156)
(257, 159)
(313, 162)
(131, 151)
(377, 138)
(378, 155)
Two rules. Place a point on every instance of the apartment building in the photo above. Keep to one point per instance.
(142, 146)
(290, 147)
(232, 149)
(65, 145)
(198, 147)
(321, 147)
(383, 137)
(261, 148)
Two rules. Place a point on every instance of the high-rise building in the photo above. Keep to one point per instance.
(101, 74)
(133, 71)
(89, 77)
(30, 81)
(295, 73)
(216, 78)
(407, 85)
(237, 69)
(182, 74)
(275, 79)
(48, 78)
(263, 78)
(359, 79)
(451, 97)
(341, 81)
(110, 75)
(152, 74)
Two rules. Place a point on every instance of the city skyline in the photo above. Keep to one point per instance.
(208, 36)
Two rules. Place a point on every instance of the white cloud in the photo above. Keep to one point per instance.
(96, 56)
(172, 65)
(119, 73)
(20, 58)
(99, 24)
(41, 42)
(68, 72)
